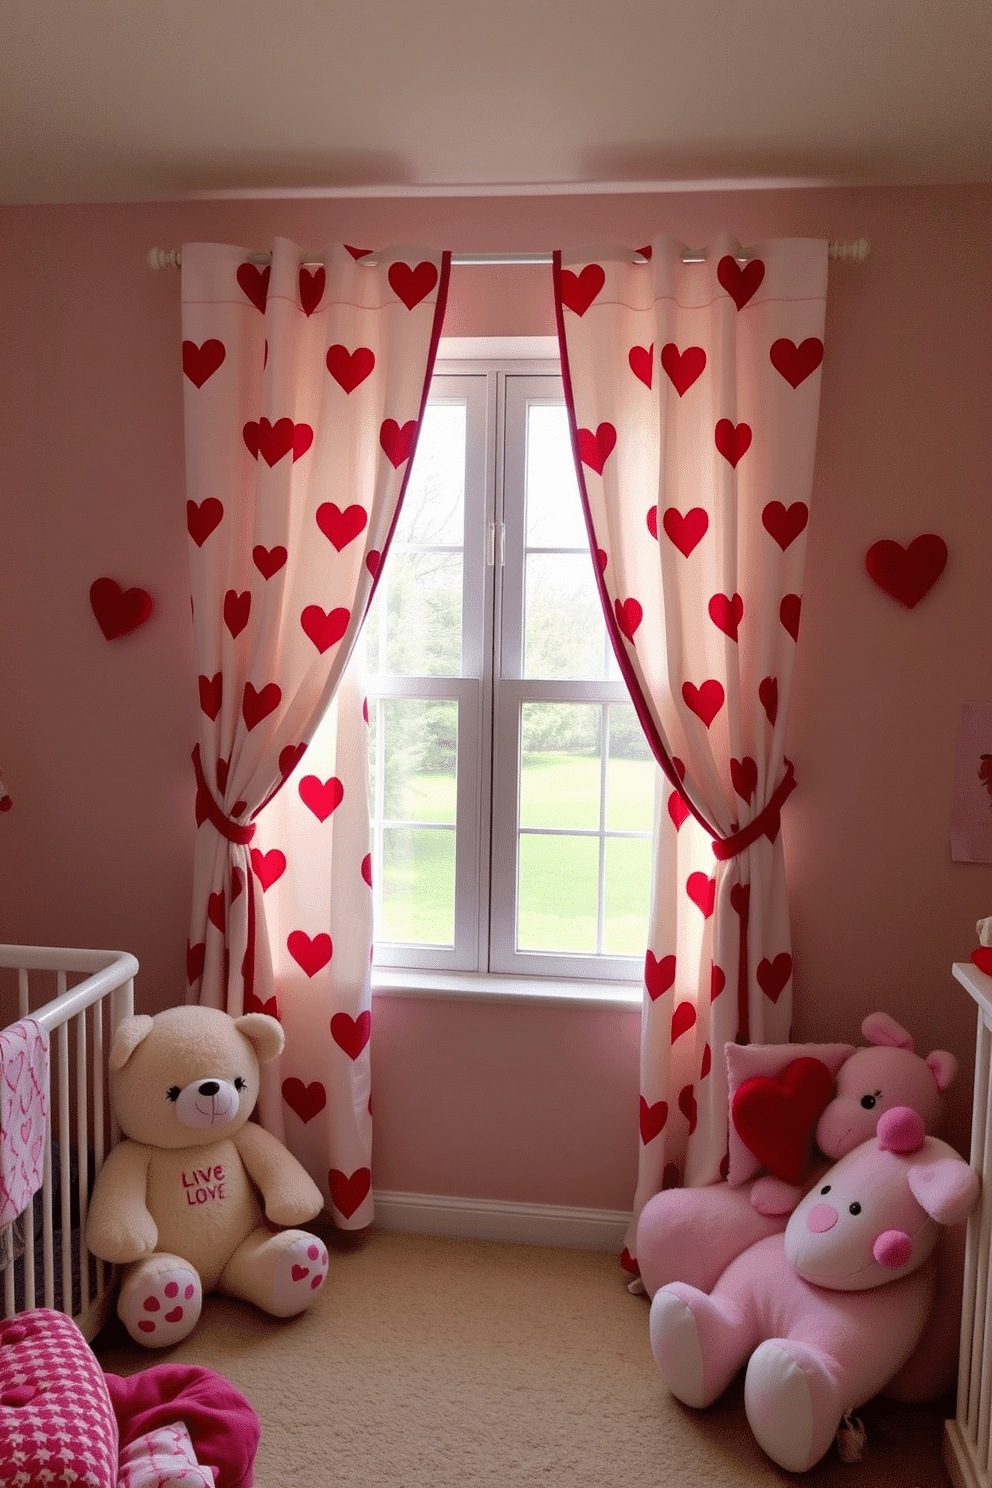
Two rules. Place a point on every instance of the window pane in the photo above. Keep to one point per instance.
(424, 608)
(558, 891)
(554, 509)
(630, 774)
(418, 893)
(433, 508)
(564, 633)
(560, 765)
(628, 888)
(420, 760)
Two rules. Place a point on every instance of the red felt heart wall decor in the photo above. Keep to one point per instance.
(118, 611)
(907, 573)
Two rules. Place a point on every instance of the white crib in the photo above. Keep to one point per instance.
(968, 1438)
(78, 997)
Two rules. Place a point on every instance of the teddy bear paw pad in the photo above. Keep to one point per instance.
(161, 1309)
(299, 1275)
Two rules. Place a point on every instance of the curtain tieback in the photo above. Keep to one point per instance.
(208, 810)
(765, 824)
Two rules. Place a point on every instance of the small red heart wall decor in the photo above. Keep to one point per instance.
(118, 611)
(907, 573)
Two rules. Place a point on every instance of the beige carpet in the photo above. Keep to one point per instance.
(433, 1363)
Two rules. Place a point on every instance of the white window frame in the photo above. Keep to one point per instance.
(484, 950)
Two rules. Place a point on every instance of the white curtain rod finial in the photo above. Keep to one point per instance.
(165, 258)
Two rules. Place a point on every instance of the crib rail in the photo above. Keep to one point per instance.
(968, 1438)
(43, 1253)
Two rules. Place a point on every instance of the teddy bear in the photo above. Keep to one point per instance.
(826, 1313)
(692, 1234)
(197, 1197)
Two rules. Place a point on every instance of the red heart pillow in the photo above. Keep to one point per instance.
(775, 1117)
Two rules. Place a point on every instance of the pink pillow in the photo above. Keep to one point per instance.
(56, 1421)
(747, 1062)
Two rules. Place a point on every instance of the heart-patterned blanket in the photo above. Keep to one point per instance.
(23, 1115)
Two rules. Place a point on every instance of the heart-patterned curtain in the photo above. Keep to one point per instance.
(305, 383)
(693, 391)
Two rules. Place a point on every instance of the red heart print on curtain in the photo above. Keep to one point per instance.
(312, 283)
(341, 527)
(702, 892)
(629, 616)
(268, 561)
(659, 975)
(255, 283)
(683, 1018)
(306, 1100)
(744, 776)
(907, 574)
(741, 281)
(258, 703)
(773, 975)
(705, 700)
(689, 1107)
(788, 613)
(726, 613)
(732, 440)
(641, 359)
(311, 952)
(349, 1190)
(683, 367)
(237, 608)
(351, 1034)
(796, 363)
(274, 441)
(678, 809)
(412, 285)
(652, 1119)
(324, 629)
(202, 518)
(350, 368)
(579, 290)
(268, 867)
(785, 523)
(118, 611)
(686, 532)
(322, 796)
(595, 448)
(211, 694)
(398, 440)
(201, 362)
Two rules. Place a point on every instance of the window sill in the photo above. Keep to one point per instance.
(485, 987)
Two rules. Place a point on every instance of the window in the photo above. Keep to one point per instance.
(512, 788)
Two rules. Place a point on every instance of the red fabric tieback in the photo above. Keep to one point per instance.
(208, 810)
(765, 824)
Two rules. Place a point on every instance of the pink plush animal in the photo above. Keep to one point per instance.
(828, 1313)
(692, 1234)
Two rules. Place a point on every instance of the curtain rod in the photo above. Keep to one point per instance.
(855, 251)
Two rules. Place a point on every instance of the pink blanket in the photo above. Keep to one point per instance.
(223, 1427)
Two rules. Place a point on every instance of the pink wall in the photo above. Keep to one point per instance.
(537, 1104)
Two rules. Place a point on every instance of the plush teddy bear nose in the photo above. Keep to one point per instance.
(821, 1217)
(209, 1087)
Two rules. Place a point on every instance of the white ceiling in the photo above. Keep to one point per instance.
(129, 100)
